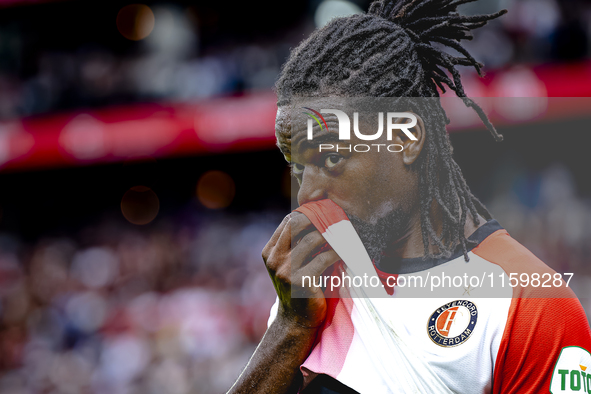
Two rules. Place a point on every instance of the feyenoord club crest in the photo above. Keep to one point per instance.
(453, 323)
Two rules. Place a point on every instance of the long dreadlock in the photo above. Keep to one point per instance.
(389, 52)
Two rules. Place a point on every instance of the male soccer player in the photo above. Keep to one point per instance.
(414, 213)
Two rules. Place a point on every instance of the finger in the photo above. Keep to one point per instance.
(300, 226)
(298, 223)
(319, 264)
(275, 237)
(309, 246)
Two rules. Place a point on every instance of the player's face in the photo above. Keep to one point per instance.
(373, 188)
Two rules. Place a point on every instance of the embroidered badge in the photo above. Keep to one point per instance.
(453, 323)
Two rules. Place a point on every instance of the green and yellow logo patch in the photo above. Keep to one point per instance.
(571, 374)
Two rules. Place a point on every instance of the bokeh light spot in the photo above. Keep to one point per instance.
(216, 190)
(135, 21)
(140, 205)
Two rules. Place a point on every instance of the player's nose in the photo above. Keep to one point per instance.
(313, 186)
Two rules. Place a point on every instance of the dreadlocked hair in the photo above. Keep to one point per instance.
(389, 52)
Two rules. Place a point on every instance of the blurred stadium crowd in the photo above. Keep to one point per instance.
(546, 214)
(169, 309)
(175, 63)
(178, 306)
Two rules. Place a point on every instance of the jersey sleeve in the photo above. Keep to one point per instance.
(537, 333)
(546, 343)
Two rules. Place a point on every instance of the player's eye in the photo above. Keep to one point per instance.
(297, 169)
(332, 160)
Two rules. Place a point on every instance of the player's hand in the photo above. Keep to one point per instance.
(294, 251)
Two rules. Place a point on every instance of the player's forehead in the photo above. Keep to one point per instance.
(291, 123)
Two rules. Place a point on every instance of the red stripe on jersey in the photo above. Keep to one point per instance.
(336, 336)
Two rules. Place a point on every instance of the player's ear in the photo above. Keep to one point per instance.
(412, 147)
